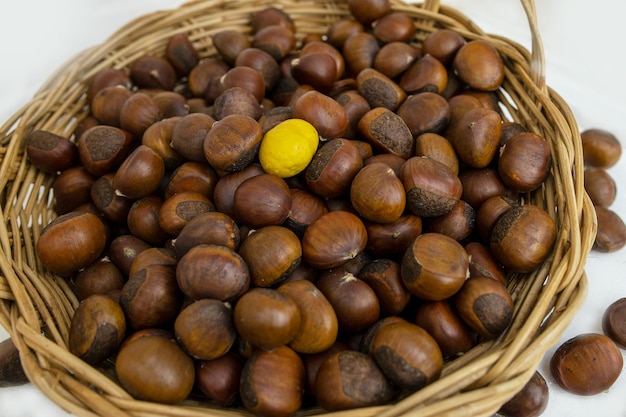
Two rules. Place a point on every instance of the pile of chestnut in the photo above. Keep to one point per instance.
(345, 286)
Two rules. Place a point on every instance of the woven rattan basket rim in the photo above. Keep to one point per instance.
(36, 307)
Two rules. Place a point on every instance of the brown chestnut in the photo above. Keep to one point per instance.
(71, 242)
(524, 162)
(318, 325)
(266, 318)
(432, 188)
(271, 254)
(212, 271)
(101, 277)
(333, 167)
(97, 329)
(485, 305)
(349, 379)
(523, 237)
(155, 368)
(266, 395)
(377, 194)
(479, 64)
(587, 364)
(601, 148)
(614, 322)
(611, 232)
(205, 329)
(387, 132)
(50, 152)
(355, 303)
(140, 174)
(600, 186)
(333, 239)
(210, 228)
(407, 354)
(12, 372)
(262, 200)
(435, 266)
(383, 276)
(530, 401)
(219, 378)
(442, 322)
(232, 142)
(140, 291)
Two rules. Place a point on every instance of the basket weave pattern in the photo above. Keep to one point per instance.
(36, 306)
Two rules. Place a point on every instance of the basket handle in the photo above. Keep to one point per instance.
(537, 60)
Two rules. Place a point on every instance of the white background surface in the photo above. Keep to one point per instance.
(585, 64)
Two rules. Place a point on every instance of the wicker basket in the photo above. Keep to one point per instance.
(36, 306)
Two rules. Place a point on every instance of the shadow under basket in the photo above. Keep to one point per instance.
(36, 306)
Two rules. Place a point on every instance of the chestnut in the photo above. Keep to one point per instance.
(426, 74)
(439, 148)
(152, 256)
(226, 185)
(613, 322)
(106, 105)
(349, 379)
(155, 368)
(50, 152)
(587, 364)
(102, 148)
(318, 325)
(384, 277)
(72, 187)
(192, 176)
(266, 318)
(219, 378)
(359, 51)
(140, 291)
(71, 242)
(395, 57)
(153, 72)
(435, 266)
(387, 132)
(523, 238)
(138, 113)
(180, 208)
(601, 148)
(271, 254)
(394, 27)
(600, 186)
(306, 207)
(108, 77)
(377, 194)
(210, 228)
(530, 401)
(232, 142)
(262, 62)
(407, 354)
(262, 200)
(432, 188)
(485, 305)
(389, 239)
(111, 205)
(355, 302)
(205, 330)
(276, 40)
(458, 223)
(101, 277)
(611, 232)
(379, 90)
(159, 137)
(333, 167)
(123, 250)
(443, 44)
(476, 137)
(425, 112)
(181, 53)
(229, 43)
(479, 64)
(12, 372)
(333, 239)
(140, 174)
(327, 116)
(480, 184)
(265, 395)
(442, 322)
(96, 329)
(143, 220)
(482, 262)
(188, 135)
(212, 271)
(317, 69)
(368, 11)
(524, 162)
